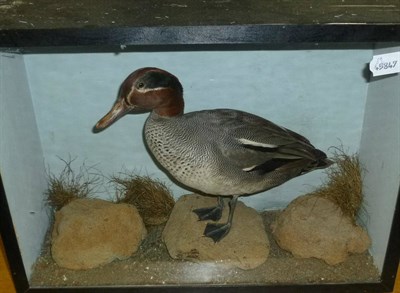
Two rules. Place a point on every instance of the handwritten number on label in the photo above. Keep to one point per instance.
(384, 65)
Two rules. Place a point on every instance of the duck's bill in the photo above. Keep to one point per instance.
(117, 111)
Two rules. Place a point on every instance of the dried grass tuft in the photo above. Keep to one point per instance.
(151, 197)
(344, 185)
(69, 185)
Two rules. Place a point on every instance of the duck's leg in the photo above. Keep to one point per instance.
(218, 231)
(211, 213)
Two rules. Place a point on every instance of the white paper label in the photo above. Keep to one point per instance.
(385, 64)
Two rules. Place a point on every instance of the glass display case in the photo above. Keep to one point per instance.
(305, 65)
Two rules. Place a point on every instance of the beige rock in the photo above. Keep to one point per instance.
(90, 232)
(246, 246)
(315, 227)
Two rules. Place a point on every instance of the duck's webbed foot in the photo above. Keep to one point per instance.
(211, 213)
(217, 231)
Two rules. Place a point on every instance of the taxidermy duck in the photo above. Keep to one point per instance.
(222, 152)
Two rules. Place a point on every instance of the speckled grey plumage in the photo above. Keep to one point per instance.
(203, 151)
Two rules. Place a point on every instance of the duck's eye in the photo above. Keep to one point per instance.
(140, 85)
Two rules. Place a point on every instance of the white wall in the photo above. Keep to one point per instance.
(380, 154)
(21, 159)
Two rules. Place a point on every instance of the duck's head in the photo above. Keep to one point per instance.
(146, 89)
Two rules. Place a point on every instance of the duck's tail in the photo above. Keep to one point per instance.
(321, 161)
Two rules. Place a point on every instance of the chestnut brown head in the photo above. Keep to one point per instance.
(146, 89)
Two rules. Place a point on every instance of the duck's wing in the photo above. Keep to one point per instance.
(256, 144)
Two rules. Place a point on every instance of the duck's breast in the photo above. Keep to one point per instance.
(182, 147)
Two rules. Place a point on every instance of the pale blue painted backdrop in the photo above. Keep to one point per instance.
(320, 94)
